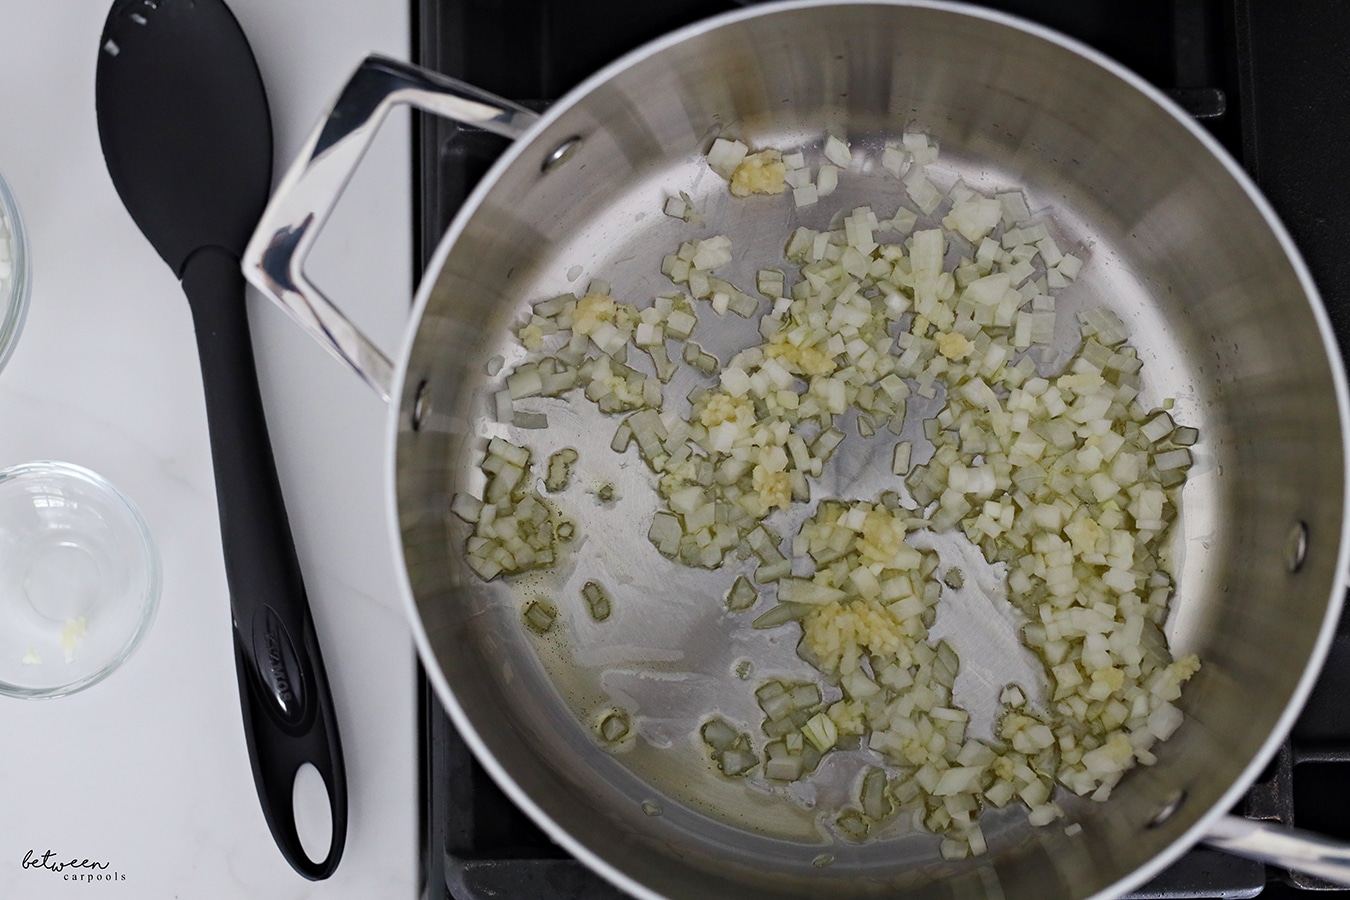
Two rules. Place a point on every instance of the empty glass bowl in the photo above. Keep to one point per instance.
(79, 579)
(15, 276)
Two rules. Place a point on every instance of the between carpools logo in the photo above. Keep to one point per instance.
(72, 869)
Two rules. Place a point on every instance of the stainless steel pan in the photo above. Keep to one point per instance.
(1181, 246)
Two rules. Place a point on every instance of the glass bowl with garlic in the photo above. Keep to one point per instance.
(79, 579)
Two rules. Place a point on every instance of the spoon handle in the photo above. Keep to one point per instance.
(289, 718)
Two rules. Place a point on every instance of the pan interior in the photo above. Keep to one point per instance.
(1175, 246)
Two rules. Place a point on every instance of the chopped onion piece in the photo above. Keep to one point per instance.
(742, 595)
(781, 615)
(1179, 458)
(921, 191)
(806, 195)
(820, 730)
(1158, 427)
(725, 155)
(827, 180)
(838, 152)
(900, 458)
(894, 159)
(597, 600)
(524, 382)
(774, 571)
(1015, 207)
(737, 762)
(676, 208)
(797, 178)
(614, 726)
(665, 533)
(467, 507)
(540, 615)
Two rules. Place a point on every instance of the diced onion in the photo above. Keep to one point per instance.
(827, 180)
(725, 155)
(1063, 478)
(838, 152)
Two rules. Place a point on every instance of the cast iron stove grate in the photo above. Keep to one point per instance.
(1270, 81)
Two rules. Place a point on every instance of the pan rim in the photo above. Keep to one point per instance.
(1196, 832)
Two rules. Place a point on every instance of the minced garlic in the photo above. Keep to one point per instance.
(760, 173)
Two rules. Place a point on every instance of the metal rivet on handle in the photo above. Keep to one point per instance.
(1167, 810)
(1296, 547)
(561, 154)
(421, 404)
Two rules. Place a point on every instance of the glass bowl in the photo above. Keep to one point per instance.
(15, 275)
(79, 579)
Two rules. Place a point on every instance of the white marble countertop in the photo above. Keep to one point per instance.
(148, 770)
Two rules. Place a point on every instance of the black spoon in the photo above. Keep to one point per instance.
(183, 119)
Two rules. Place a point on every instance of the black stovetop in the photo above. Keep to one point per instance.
(1270, 80)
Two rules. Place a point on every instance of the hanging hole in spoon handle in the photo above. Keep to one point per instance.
(1288, 848)
(275, 258)
(313, 811)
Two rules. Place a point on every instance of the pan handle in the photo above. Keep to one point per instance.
(1288, 848)
(274, 260)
